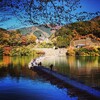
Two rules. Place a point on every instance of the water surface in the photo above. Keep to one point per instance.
(17, 82)
(83, 69)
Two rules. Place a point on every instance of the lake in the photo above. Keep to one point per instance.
(83, 69)
(17, 82)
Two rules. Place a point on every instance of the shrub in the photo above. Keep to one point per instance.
(1, 51)
(21, 51)
(70, 52)
(88, 51)
(46, 45)
(99, 50)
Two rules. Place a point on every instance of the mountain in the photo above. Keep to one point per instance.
(77, 30)
(96, 18)
(86, 27)
(3, 31)
(36, 30)
(41, 30)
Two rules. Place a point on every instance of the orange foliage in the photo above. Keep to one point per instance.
(23, 39)
(6, 60)
(6, 50)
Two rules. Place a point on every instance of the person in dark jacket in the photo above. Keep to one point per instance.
(51, 66)
(40, 64)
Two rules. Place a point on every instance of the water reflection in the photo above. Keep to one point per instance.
(26, 89)
(15, 67)
(83, 69)
(17, 82)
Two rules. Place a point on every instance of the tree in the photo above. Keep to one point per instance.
(62, 31)
(4, 36)
(35, 12)
(31, 38)
(62, 41)
(15, 38)
(23, 40)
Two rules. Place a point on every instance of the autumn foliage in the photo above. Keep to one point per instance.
(13, 39)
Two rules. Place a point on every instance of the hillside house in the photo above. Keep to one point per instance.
(84, 42)
(39, 40)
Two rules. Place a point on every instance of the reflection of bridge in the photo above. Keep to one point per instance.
(37, 29)
(66, 80)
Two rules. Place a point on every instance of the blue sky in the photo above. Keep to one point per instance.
(90, 5)
(13, 22)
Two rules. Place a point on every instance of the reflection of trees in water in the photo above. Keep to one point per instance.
(4, 61)
(86, 70)
(16, 72)
(16, 61)
(85, 62)
(3, 72)
(99, 61)
(74, 66)
(95, 78)
(16, 67)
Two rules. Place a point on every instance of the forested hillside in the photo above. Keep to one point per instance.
(15, 38)
(77, 30)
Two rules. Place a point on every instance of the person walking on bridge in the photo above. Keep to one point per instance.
(51, 66)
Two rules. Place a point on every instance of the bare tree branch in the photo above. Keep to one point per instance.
(35, 12)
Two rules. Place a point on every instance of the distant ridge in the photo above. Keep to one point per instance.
(96, 18)
(41, 30)
(4, 31)
(36, 30)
